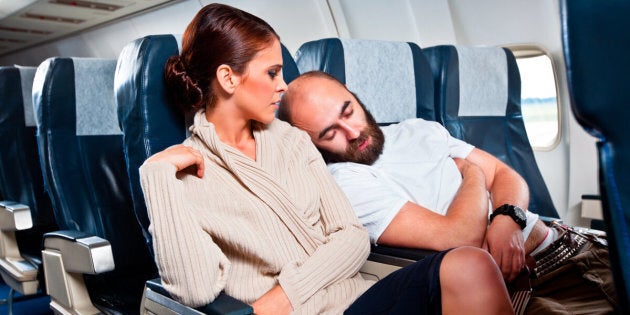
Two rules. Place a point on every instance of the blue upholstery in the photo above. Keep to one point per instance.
(151, 123)
(596, 41)
(20, 175)
(478, 99)
(81, 153)
(391, 78)
(289, 68)
(21, 178)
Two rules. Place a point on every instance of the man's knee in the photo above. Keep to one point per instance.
(472, 263)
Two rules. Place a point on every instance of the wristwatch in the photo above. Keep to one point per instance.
(515, 212)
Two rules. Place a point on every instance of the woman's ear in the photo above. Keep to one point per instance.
(227, 79)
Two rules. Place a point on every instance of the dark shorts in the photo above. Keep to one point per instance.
(414, 289)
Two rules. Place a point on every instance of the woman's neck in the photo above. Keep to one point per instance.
(233, 130)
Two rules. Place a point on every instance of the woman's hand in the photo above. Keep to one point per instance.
(183, 157)
(274, 302)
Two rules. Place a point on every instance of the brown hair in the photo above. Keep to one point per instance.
(218, 34)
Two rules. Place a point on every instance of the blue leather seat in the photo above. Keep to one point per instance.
(596, 41)
(26, 212)
(81, 153)
(478, 99)
(150, 123)
(389, 77)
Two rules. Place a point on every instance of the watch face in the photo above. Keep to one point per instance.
(520, 213)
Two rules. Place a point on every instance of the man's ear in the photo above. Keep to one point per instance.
(227, 79)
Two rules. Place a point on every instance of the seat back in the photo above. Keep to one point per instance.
(150, 122)
(20, 174)
(478, 99)
(392, 79)
(80, 147)
(596, 39)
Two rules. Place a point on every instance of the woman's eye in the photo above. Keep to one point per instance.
(273, 73)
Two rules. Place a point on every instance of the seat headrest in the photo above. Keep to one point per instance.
(392, 78)
(474, 81)
(289, 68)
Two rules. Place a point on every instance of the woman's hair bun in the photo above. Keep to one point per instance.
(181, 87)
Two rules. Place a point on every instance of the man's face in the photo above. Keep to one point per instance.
(336, 121)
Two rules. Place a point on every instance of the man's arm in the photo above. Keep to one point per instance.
(464, 223)
(504, 184)
(504, 237)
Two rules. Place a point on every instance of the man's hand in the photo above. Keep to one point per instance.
(182, 157)
(274, 302)
(504, 239)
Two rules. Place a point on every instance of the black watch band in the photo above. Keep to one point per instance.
(515, 212)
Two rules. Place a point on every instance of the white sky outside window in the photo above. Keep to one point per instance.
(539, 101)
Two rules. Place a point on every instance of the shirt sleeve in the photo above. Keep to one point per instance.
(192, 267)
(457, 148)
(374, 199)
(346, 247)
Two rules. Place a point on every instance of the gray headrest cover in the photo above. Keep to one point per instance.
(381, 74)
(483, 81)
(27, 74)
(95, 101)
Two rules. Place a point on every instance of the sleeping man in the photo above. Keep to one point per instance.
(413, 185)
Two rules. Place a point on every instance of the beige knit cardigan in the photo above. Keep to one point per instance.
(249, 225)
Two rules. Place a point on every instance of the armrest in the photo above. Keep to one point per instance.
(84, 253)
(14, 216)
(397, 256)
(223, 304)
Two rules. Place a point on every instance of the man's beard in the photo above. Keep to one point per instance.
(369, 154)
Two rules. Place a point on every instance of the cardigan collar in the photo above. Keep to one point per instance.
(257, 179)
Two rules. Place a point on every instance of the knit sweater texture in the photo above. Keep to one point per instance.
(249, 225)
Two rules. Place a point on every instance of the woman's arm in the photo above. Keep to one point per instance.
(347, 244)
(192, 267)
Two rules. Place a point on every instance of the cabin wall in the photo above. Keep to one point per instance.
(569, 169)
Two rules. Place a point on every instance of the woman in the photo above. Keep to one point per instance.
(246, 205)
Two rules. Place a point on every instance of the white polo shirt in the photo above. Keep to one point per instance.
(416, 165)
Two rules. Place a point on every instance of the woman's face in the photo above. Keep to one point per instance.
(260, 88)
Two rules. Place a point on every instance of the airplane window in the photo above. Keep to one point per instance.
(539, 101)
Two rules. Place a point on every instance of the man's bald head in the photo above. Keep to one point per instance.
(334, 118)
(301, 89)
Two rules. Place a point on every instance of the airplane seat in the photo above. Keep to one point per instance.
(596, 39)
(26, 211)
(97, 262)
(478, 99)
(393, 79)
(151, 123)
(390, 77)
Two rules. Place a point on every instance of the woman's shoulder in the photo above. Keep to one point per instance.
(287, 132)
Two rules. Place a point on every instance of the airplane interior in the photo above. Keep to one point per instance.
(539, 84)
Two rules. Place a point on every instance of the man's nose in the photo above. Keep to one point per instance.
(350, 131)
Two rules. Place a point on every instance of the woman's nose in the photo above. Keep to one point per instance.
(282, 86)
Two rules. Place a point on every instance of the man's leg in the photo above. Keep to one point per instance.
(472, 284)
(460, 281)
